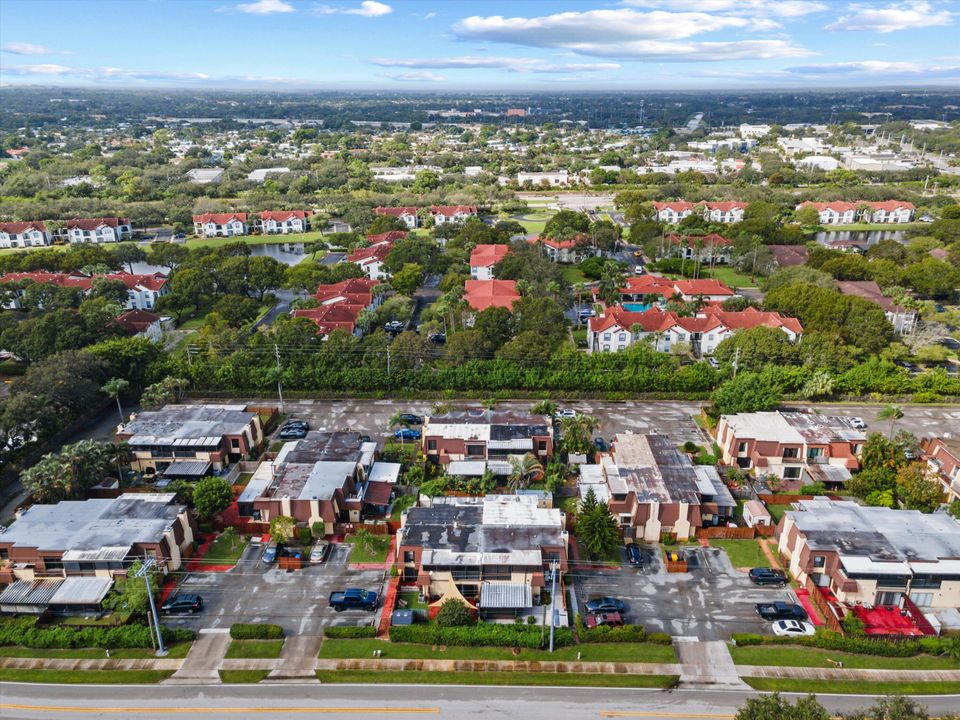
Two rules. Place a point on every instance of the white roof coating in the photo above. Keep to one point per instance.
(385, 472)
(518, 510)
(461, 431)
(467, 468)
(763, 426)
(794, 427)
(326, 478)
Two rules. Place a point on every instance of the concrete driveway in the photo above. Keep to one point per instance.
(710, 602)
(256, 592)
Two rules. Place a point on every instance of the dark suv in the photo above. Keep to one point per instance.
(767, 576)
(183, 604)
(634, 555)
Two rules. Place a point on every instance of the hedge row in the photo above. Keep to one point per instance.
(482, 634)
(25, 632)
(620, 634)
(350, 632)
(255, 631)
(826, 640)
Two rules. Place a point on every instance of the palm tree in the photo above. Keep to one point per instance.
(891, 413)
(523, 470)
(113, 388)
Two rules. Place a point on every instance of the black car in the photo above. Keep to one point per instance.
(605, 605)
(781, 611)
(183, 604)
(411, 419)
(394, 326)
(634, 555)
(767, 576)
(438, 338)
(292, 433)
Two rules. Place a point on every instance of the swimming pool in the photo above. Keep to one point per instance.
(637, 307)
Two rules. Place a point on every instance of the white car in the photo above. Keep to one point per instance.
(858, 423)
(319, 552)
(567, 413)
(793, 628)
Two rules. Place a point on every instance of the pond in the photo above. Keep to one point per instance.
(287, 253)
(860, 238)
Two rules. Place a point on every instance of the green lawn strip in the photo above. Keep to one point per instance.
(237, 677)
(242, 649)
(178, 650)
(309, 237)
(852, 687)
(743, 553)
(221, 552)
(495, 678)
(777, 511)
(572, 274)
(80, 677)
(375, 551)
(589, 652)
(412, 599)
(401, 504)
(803, 656)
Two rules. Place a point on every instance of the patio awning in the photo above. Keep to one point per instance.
(187, 469)
(505, 596)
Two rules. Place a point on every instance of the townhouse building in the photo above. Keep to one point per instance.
(672, 212)
(220, 224)
(711, 247)
(491, 436)
(724, 212)
(98, 230)
(341, 305)
(495, 552)
(370, 259)
(194, 438)
(845, 213)
(443, 214)
(644, 288)
(407, 215)
(24, 234)
(942, 455)
(483, 258)
(561, 178)
(903, 319)
(791, 445)
(143, 291)
(483, 294)
(874, 556)
(284, 222)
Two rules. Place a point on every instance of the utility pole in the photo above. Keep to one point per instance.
(736, 361)
(553, 600)
(388, 359)
(144, 572)
(276, 352)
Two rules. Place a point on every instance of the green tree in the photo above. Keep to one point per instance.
(597, 531)
(211, 495)
(576, 433)
(747, 392)
(282, 528)
(129, 594)
(566, 224)
(755, 347)
(523, 470)
(166, 392)
(407, 279)
(775, 707)
(114, 389)
(128, 254)
(918, 488)
(454, 613)
(891, 413)
(895, 707)
(67, 474)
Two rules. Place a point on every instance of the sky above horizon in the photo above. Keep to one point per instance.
(461, 45)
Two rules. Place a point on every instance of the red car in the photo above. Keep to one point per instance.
(598, 619)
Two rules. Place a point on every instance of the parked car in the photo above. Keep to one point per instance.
(713, 363)
(768, 576)
(597, 619)
(354, 599)
(319, 552)
(292, 433)
(605, 605)
(634, 555)
(407, 434)
(793, 628)
(411, 419)
(586, 313)
(438, 338)
(183, 604)
(270, 553)
(781, 611)
(858, 423)
(394, 326)
(601, 444)
(566, 413)
(638, 269)
(180, 236)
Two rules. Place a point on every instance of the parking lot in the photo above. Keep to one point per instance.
(255, 592)
(710, 602)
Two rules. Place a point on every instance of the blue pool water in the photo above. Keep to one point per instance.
(637, 307)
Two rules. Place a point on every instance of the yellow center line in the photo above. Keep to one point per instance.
(216, 710)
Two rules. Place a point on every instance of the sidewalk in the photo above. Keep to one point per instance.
(806, 673)
(203, 661)
(706, 665)
(546, 666)
(298, 659)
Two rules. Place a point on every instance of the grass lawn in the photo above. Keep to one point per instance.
(412, 599)
(243, 479)
(572, 274)
(309, 237)
(853, 687)
(241, 649)
(726, 275)
(401, 504)
(495, 678)
(802, 656)
(611, 558)
(743, 553)
(177, 650)
(243, 676)
(375, 551)
(221, 552)
(568, 505)
(777, 511)
(589, 652)
(80, 677)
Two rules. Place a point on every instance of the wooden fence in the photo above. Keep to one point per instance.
(736, 533)
(829, 613)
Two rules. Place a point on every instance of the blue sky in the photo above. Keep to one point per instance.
(479, 45)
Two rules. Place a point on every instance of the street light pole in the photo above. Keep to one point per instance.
(553, 601)
(143, 572)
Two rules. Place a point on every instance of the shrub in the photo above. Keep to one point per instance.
(304, 535)
(25, 632)
(531, 620)
(454, 613)
(660, 638)
(607, 634)
(255, 631)
(866, 645)
(482, 634)
(350, 632)
(925, 396)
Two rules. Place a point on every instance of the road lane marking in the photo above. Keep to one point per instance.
(663, 714)
(216, 710)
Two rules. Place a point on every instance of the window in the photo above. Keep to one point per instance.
(814, 453)
(475, 450)
(742, 447)
(819, 561)
(235, 443)
(791, 453)
(431, 444)
(681, 336)
(606, 336)
(623, 337)
(792, 473)
(542, 446)
(409, 556)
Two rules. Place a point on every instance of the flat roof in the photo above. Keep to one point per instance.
(190, 425)
(793, 427)
(384, 472)
(653, 468)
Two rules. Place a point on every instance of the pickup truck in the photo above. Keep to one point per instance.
(354, 599)
(781, 611)
(766, 576)
(611, 619)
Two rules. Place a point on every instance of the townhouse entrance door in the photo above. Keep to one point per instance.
(887, 598)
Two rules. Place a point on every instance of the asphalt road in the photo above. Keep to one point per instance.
(341, 702)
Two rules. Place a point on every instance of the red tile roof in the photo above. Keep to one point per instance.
(220, 218)
(94, 223)
(394, 211)
(389, 236)
(136, 320)
(649, 285)
(727, 206)
(81, 282)
(675, 205)
(483, 294)
(154, 282)
(788, 255)
(707, 240)
(339, 316)
(841, 206)
(711, 317)
(354, 291)
(890, 205)
(284, 215)
(453, 210)
(15, 228)
(372, 253)
(488, 255)
(702, 287)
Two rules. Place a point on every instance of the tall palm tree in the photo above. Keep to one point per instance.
(891, 413)
(523, 470)
(114, 388)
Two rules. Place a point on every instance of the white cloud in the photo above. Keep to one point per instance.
(631, 34)
(899, 16)
(877, 67)
(265, 7)
(784, 8)
(517, 65)
(24, 48)
(368, 8)
(415, 76)
(100, 73)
